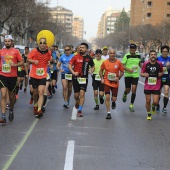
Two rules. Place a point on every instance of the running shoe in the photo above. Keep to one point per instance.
(65, 106)
(11, 116)
(164, 111)
(97, 107)
(153, 109)
(35, 110)
(79, 113)
(158, 108)
(53, 90)
(39, 114)
(124, 98)
(76, 106)
(25, 89)
(20, 87)
(50, 96)
(2, 120)
(113, 105)
(101, 100)
(43, 109)
(31, 100)
(108, 116)
(149, 117)
(131, 108)
(7, 106)
(56, 86)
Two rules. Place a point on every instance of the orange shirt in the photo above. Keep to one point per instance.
(110, 68)
(6, 57)
(39, 71)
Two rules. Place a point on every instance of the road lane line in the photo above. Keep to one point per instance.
(15, 153)
(74, 114)
(69, 156)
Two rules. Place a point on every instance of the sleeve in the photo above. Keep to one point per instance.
(72, 61)
(60, 59)
(31, 54)
(102, 66)
(19, 57)
(54, 56)
(91, 62)
(121, 67)
(143, 70)
(124, 59)
(161, 67)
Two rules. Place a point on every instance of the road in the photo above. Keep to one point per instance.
(56, 142)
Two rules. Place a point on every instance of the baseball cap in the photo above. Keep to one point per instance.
(98, 51)
(133, 46)
(8, 37)
(105, 47)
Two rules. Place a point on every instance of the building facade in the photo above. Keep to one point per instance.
(152, 12)
(78, 27)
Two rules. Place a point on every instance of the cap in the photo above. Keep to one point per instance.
(98, 51)
(8, 37)
(133, 46)
(105, 47)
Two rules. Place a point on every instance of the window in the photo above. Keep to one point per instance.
(149, 4)
(168, 15)
(168, 3)
(148, 15)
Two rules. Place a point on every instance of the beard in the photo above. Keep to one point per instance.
(82, 53)
(8, 46)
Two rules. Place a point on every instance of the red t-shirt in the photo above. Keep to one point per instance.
(81, 64)
(6, 57)
(39, 71)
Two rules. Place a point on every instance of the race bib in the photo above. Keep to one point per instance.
(152, 80)
(81, 80)
(19, 69)
(111, 76)
(6, 68)
(135, 69)
(51, 71)
(97, 77)
(40, 71)
(165, 70)
(68, 76)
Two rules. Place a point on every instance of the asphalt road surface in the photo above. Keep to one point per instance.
(61, 141)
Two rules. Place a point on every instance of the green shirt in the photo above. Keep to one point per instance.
(131, 62)
(97, 65)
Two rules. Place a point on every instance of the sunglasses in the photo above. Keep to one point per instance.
(67, 50)
(43, 43)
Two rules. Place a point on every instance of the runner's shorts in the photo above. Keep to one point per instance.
(77, 87)
(37, 82)
(148, 92)
(97, 84)
(54, 75)
(108, 89)
(131, 81)
(21, 73)
(63, 76)
(9, 82)
(166, 82)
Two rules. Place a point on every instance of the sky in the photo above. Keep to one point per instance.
(91, 11)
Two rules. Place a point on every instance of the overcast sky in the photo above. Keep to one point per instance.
(91, 11)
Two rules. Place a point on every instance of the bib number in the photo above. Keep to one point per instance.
(97, 77)
(19, 69)
(6, 68)
(111, 76)
(81, 80)
(165, 70)
(135, 69)
(152, 80)
(40, 71)
(68, 76)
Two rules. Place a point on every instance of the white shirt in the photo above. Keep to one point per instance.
(105, 57)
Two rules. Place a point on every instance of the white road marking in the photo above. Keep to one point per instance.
(74, 114)
(69, 156)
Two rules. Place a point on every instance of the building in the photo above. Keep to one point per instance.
(107, 23)
(149, 12)
(62, 17)
(78, 27)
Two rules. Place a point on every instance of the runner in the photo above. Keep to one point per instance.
(165, 60)
(98, 87)
(10, 59)
(105, 55)
(131, 62)
(113, 71)
(39, 57)
(66, 76)
(153, 71)
(81, 63)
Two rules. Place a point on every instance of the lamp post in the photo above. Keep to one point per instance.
(164, 20)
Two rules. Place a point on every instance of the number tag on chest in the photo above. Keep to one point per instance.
(6, 68)
(152, 80)
(135, 69)
(111, 76)
(40, 71)
(81, 80)
(97, 77)
(68, 76)
(19, 69)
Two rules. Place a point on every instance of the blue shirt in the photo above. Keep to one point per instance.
(55, 58)
(64, 60)
(164, 61)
